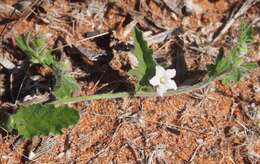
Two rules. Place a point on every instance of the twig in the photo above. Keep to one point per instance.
(254, 154)
(6, 25)
(21, 13)
(156, 122)
(107, 146)
(44, 148)
(30, 7)
(21, 86)
(232, 17)
(150, 135)
(82, 40)
(173, 126)
(132, 147)
(195, 152)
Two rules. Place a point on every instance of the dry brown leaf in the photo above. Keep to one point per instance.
(8, 12)
(5, 61)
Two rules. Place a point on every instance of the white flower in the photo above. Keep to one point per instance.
(163, 80)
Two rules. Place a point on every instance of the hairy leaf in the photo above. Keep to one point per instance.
(39, 53)
(42, 120)
(245, 38)
(36, 50)
(65, 83)
(65, 86)
(233, 76)
(233, 64)
(146, 64)
(247, 67)
(220, 66)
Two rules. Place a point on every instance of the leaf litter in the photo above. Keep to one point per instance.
(96, 130)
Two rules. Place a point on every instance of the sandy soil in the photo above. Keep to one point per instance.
(218, 124)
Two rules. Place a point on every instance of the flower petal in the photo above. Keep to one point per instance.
(159, 70)
(171, 85)
(155, 80)
(170, 73)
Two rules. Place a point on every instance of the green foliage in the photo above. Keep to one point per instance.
(36, 50)
(65, 86)
(233, 65)
(245, 38)
(38, 120)
(146, 64)
(40, 54)
(65, 83)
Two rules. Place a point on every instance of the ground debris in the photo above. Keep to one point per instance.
(217, 124)
(235, 13)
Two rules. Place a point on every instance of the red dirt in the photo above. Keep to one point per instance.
(211, 122)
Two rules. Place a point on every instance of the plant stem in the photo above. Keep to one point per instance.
(180, 90)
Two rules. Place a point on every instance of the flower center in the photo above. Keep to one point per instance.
(163, 80)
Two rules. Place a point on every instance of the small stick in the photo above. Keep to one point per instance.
(108, 144)
(82, 40)
(233, 16)
(195, 152)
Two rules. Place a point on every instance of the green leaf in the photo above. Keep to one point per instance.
(23, 43)
(65, 86)
(247, 67)
(246, 34)
(146, 64)
(233, 65)
(39, 42)
(38, 53)
(36, 50)
(43, 120)
(221, 66)
(65, 83)
(232, 77)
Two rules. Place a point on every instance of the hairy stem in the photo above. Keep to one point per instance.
(180, 90)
